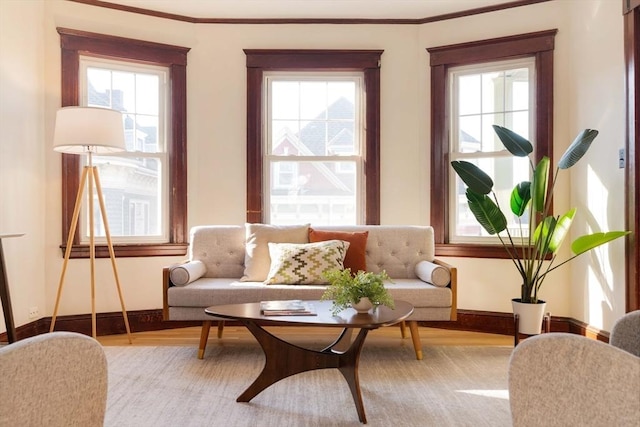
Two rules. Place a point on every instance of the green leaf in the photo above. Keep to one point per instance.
(543, 234)
(514, 143)
(578, 148)
(486, 212)
(474, 177)
(520, 197)
(562, 229)
(585, 243)
(540, 184)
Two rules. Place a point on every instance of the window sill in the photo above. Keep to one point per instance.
(467, 250)
(131, 250)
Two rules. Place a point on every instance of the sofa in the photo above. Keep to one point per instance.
(232, 264)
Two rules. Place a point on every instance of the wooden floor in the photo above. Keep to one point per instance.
(237, 334)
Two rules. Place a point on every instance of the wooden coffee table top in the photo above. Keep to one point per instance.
(348, 318)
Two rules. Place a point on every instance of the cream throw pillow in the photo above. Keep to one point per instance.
(305, 264)
(256, 258)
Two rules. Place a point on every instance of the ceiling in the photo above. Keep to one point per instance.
(309, 9)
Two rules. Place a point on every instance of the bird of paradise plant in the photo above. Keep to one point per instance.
(534, 253)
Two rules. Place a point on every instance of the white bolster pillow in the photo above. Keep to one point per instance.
(432, 273)
(186, 273)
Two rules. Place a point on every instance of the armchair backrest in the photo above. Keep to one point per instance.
(54, 379)
(625, 333)
(559, 379)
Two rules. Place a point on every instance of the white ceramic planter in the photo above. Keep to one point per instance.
(363, 306)
(530, 316)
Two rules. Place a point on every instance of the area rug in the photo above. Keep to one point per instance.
(169, 386)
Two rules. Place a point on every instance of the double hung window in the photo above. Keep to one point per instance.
(313, 148)
(134, 182)
(313, 136)
(497, 93)
(145, 187)
(506, 81)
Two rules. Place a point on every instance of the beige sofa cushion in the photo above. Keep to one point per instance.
(257, 261)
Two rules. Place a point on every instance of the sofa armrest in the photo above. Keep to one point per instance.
(453, 285)
(166, 284)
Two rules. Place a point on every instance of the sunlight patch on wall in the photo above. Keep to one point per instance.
(597, 220)
(597, 199)
(595, 298)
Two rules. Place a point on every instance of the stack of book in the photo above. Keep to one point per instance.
(294, 307)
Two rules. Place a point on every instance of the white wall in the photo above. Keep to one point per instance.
(597, 101)
(22, 157)
(216, 134)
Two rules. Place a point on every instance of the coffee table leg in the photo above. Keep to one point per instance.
(283, 359)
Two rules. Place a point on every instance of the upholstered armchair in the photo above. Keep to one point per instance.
(625, 333)
(560, 379)
(54, 379)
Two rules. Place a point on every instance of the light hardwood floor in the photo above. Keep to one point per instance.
(238, 334)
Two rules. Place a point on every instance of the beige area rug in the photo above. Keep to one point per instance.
(169, 386)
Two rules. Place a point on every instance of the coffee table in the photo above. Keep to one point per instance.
(283, 359)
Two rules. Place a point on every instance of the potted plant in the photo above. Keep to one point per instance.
(362, 291)
(534, 252)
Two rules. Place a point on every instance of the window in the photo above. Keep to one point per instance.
(134, 183)
(313, 120)
(483, 95)
(313, 148)
(145, 187)
(506, 81)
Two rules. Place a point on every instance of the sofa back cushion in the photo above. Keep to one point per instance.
(394, 248)
(257, 260)
(220, 248)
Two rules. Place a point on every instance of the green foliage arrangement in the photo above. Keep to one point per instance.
(345, 289)
(529, 253)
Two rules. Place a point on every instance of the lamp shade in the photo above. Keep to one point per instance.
(88, 129)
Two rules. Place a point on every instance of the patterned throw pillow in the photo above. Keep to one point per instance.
(305, 264)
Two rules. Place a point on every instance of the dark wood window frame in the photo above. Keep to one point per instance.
(540, 45)
(76, 43)
(631, 11)
(261, 60)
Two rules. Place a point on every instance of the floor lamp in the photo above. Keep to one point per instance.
(88, 131)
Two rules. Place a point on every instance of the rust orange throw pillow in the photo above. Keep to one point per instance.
(355, 258)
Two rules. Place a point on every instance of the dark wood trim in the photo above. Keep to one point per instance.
(539, 44)
(492, 49)
(372, 144)
(629, 5)
(312, 59)
(151, 320)
(130, 250)
(260, 60)
(75, 43)
(502, 324)
(632, 175)
(254, 145)
(253, 21)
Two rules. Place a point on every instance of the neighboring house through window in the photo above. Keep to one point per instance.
(507, 82)
(313, 137)
(144, 187)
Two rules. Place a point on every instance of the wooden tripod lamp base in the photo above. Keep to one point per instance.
(104, 129)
